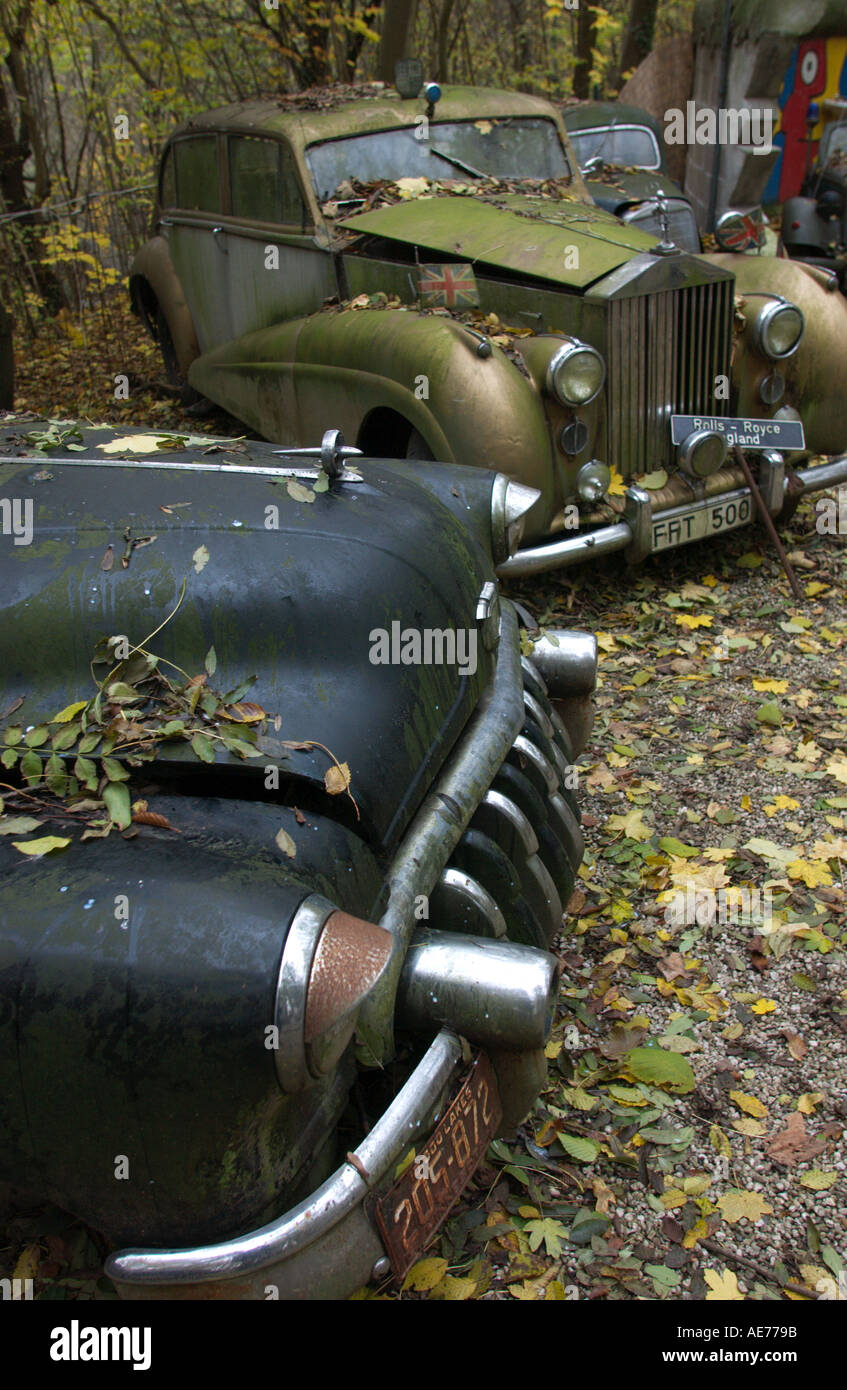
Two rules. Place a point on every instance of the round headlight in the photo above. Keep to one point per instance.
(576, 373)
(702, 453)
(592, 480)
(779, 328)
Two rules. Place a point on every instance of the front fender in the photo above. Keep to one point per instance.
(425, 367)
(153, 264)
(816, 373)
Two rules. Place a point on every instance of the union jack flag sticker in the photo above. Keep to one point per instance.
(447, 287)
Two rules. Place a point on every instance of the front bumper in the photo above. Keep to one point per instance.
(326, 1246)
(634, 532)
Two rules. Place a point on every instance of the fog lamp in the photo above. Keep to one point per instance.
(702, 453)
(592, 480)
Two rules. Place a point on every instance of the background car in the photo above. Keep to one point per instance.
(439, 266)
(252, 949)
(621, 156)
(814, 223)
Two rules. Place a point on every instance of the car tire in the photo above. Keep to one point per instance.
(173, 375)
(417, 447)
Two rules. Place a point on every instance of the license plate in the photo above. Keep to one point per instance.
(684, 524)
(747, 434)
(409, 1215)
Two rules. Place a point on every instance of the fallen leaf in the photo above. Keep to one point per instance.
(743, 1206)
(35, 848)
(722, 1287)
(749, 1104)
(819, 1180)
(337, 779)
(793, 1144)
(285, 843)
(200, 559)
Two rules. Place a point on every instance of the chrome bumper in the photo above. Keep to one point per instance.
(633, 534)
(326, 1246)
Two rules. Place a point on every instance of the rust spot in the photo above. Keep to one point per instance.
(356, 1162)
(350, 957)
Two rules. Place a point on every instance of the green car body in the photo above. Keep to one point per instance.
(272, 282)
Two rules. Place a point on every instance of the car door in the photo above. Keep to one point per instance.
(191, 194)
(274, 269)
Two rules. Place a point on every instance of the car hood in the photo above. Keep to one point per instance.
(623, 187)
(533, 236)
(297, 606)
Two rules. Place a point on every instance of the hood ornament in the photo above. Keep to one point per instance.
(666, 246)
(332, 451)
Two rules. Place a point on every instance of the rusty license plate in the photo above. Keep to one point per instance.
(413, 1209)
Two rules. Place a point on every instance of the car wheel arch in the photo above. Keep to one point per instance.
(155, 286)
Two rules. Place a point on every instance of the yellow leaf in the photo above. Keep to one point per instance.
(813, 875)
(743, 1206)
(837, 768)
(719, 1142)
(771, 685)
(69, 712)
(688, 620)
(673, 1198)
(749, 1104)
(751, 1129)
(746, 803)
(697, 1184)
(605, 641)
(140, 444)
(285, 843)
(617, 487)
(35, 848)
(819, 1180)
(809, 1101)
(631, 824)
(697, 1232)
(425, 1274)
(26, 1266)
(722, 1287)
(763, 1006)
(200, 558)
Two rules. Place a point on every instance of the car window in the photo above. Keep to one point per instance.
(627, 146)
(836, 142)
(512, 148)
(197, 184)
(167, 181)
(263, 181)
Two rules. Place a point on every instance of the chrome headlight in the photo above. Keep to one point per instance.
(510, 503)
(592, 480)
(778, 329)
(576, 373)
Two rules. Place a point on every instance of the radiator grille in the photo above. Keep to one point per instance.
(664, 351)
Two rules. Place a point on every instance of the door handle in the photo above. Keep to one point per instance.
(216, 232)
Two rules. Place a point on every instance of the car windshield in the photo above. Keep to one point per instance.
(627, 146)
(512, 148)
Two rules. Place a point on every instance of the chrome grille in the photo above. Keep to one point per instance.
(664, 351)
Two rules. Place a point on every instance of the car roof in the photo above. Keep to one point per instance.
(329, 113)
(586, 115)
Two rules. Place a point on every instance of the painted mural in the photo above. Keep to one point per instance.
(818, 69)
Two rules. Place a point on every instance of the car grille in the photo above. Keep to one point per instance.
(664, 351)
(513, 870)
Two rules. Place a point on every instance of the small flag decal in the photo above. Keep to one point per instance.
(447, 287)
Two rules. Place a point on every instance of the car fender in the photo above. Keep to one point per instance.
(816, 372)
(153, 267)
(426, 368)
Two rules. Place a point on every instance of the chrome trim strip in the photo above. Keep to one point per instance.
(292, 988)
(826, 476)
(503, 806)
(525, 748)
(48, 460)
(300, 1227)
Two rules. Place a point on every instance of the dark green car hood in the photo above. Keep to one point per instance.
(520, 234)
(622, 187)
(296, 606)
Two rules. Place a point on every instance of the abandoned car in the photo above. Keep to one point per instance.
(621, 156)
(439, 267)
(814, 223)
(287, 833)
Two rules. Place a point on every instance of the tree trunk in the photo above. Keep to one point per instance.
(638, 36)
(585, 39)
(397, 29)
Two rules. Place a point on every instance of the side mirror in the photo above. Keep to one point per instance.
(741, 231)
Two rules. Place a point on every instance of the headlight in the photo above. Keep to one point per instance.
(510, 503)
(592, 480)
(778, 329)
(576, 373)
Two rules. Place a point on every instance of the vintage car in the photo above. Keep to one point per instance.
(814, 223)
(256, 953)
(437, 266)
(621, 155)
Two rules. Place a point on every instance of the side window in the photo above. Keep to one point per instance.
(167, 182)
(197, 185)
(263, 181)
(254, 178)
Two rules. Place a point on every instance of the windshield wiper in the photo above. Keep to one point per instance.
(460, 164)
